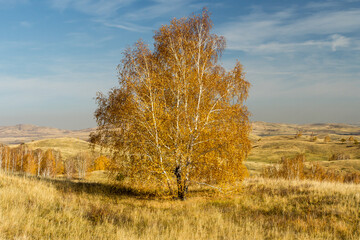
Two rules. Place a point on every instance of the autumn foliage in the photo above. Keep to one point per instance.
(23, 159)
(177, 117)
(49, 163)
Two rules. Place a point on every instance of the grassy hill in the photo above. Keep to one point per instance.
(67, 146)
(32, 208)
(95, 208)
(270, 150)
(271, 141)
(24, 133)
(267, 148)
(322, 129)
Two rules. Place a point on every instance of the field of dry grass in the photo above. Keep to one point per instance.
(270, 149)
(24, 133)
(273, 142)
(95, 208)
(67, 146)
(265, 209)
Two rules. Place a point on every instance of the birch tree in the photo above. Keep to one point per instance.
(177, 116)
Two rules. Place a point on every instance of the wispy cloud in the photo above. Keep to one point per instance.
(284, 30)
(322, 5)
(339, 41)
(161, 8)
(127, 26)
(333, 42)
(93, 7)
(104, 11)
(83, 39)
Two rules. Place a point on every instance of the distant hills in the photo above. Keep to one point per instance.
(24, 133)
(276, 129)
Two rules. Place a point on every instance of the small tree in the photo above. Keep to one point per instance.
(298, 134)
(82, 163)
(288, 168)
(327, 139)
(177, 117)
(101, 163)
(69, 167)
(313, 138)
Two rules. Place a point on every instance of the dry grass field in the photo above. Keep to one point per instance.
(274, 141)
(67, 146)
(24, 133)
(96, 208)
(271, 141)
(266, 209)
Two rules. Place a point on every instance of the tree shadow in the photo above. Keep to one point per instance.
(94, 188)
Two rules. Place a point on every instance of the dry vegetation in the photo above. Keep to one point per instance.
(266, 209)
(23, 133)
(275, 141)
(68, 146)
(95, 208)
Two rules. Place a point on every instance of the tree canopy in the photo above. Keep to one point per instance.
(177, 116)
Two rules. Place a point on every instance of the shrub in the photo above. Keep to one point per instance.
(352, 177)
(295, 169)
(287, 168)
(313, 138)
(327, 139)
(339, 156)
(298, 134)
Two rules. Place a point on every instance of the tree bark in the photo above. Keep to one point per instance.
(181, 184)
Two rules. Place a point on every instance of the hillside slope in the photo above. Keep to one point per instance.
(276, 129)
(67, 146)
(24, 133)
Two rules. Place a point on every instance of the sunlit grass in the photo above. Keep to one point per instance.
(67, 146)
(271, 149)
(265, 209)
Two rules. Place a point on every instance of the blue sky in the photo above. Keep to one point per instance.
(301, 57)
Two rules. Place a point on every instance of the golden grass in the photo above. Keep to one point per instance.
(270, 149)
(67, 146)
(267, 151)
(266, 209)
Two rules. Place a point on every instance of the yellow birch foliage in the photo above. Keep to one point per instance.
(177, 117)
(101, 163)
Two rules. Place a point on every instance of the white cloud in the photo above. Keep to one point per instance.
(161, 8)
(105, 11)
(333, 42)
(285, 31)
(339, 41)
(92, 7)
(322, 5)
(83, 39)
(128, 26)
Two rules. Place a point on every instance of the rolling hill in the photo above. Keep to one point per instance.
(24, 133)
(67, 146)
(270, 141)
(322, 129)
